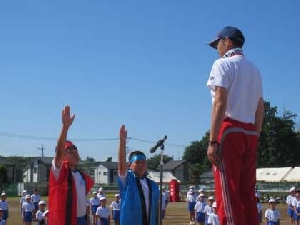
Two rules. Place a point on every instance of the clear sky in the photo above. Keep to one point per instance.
(140, 63)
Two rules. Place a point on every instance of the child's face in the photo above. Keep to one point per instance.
(3, 197)
(42, 207)
(210, 202)
(139, 167)
(103, 203)
(272, 205)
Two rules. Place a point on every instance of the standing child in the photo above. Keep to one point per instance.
(199, 209)
(95, 203)
(272, 215)
(290, 202)
(27, 209)
(102, 213)
(259, 209)
(40, 213)
(208, 208)
(115, 205)
(296, 206)
(68, 187)
(191, 201)
(139, 194)
(213, 218)
(164, 202)
(4, 206)
(35, 199)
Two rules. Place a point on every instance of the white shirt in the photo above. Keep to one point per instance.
(296, 203)
(35, 198)
(208, 210)
(290, 199)
(100, 195)
(115, 205)
(102, 212)
(94, 201)
(28, 206)
(3, 205)
(39, 216)
(213, 219)
(80, 189)
(191, 198)
(259, 207)
(200, 206)
(272, 216)
(164, 198)
(243, 82)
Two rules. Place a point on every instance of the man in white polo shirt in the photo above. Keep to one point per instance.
(236, 121)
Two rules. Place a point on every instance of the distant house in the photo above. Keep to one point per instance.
(106, 173)
(37, 170)
(179, 169)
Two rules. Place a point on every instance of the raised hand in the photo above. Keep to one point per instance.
(66, 117)
(123, 134)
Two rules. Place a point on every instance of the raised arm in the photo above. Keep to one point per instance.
(122, 151)
(67, 121)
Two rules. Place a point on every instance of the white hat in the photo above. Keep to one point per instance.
(211, 198)
(102, 198)
(3, 194)
(24, 191)
(272, 200)
(201, 190)
(95, 192)
(117, 195)
(191, 187)
(42, 203)
(100, 189)
(202, 195)
(292, 189)
(191, 190)
(27, 196)
(214, 205)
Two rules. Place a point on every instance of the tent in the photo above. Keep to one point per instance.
(293, 176)
(272, 174)
(166, 178)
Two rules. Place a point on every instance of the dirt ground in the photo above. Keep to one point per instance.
(177, 213)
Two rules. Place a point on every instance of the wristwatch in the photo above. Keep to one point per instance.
(214, 142)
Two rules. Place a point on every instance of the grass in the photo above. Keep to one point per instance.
(177, 213)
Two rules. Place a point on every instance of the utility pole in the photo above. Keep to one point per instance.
(42, 149)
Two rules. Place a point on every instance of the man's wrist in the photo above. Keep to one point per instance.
(213, 142)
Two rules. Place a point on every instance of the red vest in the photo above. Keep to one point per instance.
(58, 194)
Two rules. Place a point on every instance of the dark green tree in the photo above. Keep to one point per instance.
(3, 177)
(195, 154)
(154, 161)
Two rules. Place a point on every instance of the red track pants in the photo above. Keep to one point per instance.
(236, 177)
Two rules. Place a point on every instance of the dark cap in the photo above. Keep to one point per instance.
(230, 32)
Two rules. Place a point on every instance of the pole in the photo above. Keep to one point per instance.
(42, 149)
(162, 148)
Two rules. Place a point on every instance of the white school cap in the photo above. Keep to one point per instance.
(102, 198)
(211, 198)
(27, 196)
(292, 189)
(100, 189)
(3, 194)
(117, 195)
(201, 190)
(214, 205)
(202, 195)
(272, 200)
(95, 192)
(42, 202)
(24, 191)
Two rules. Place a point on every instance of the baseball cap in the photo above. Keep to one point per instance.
(3, 194)
(42, 203)
(24, 191)
(214, 205)
(27, 196)
(202, 195)
(95, 192)
(100, 189)
(230, 32)
(102, 198)
(117, 195)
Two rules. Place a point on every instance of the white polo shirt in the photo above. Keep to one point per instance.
(244, 85)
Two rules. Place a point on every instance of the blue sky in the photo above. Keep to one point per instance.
(139, 63)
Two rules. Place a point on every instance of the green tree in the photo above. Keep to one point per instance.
(90, 159)
(3, 176)
(279, 142)
(195, 154)
(154, 161)
(109, 159)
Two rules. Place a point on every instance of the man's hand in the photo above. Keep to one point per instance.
(66, 118)
(213, 155)
(123, 134)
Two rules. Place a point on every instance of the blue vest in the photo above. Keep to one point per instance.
(131, 207)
